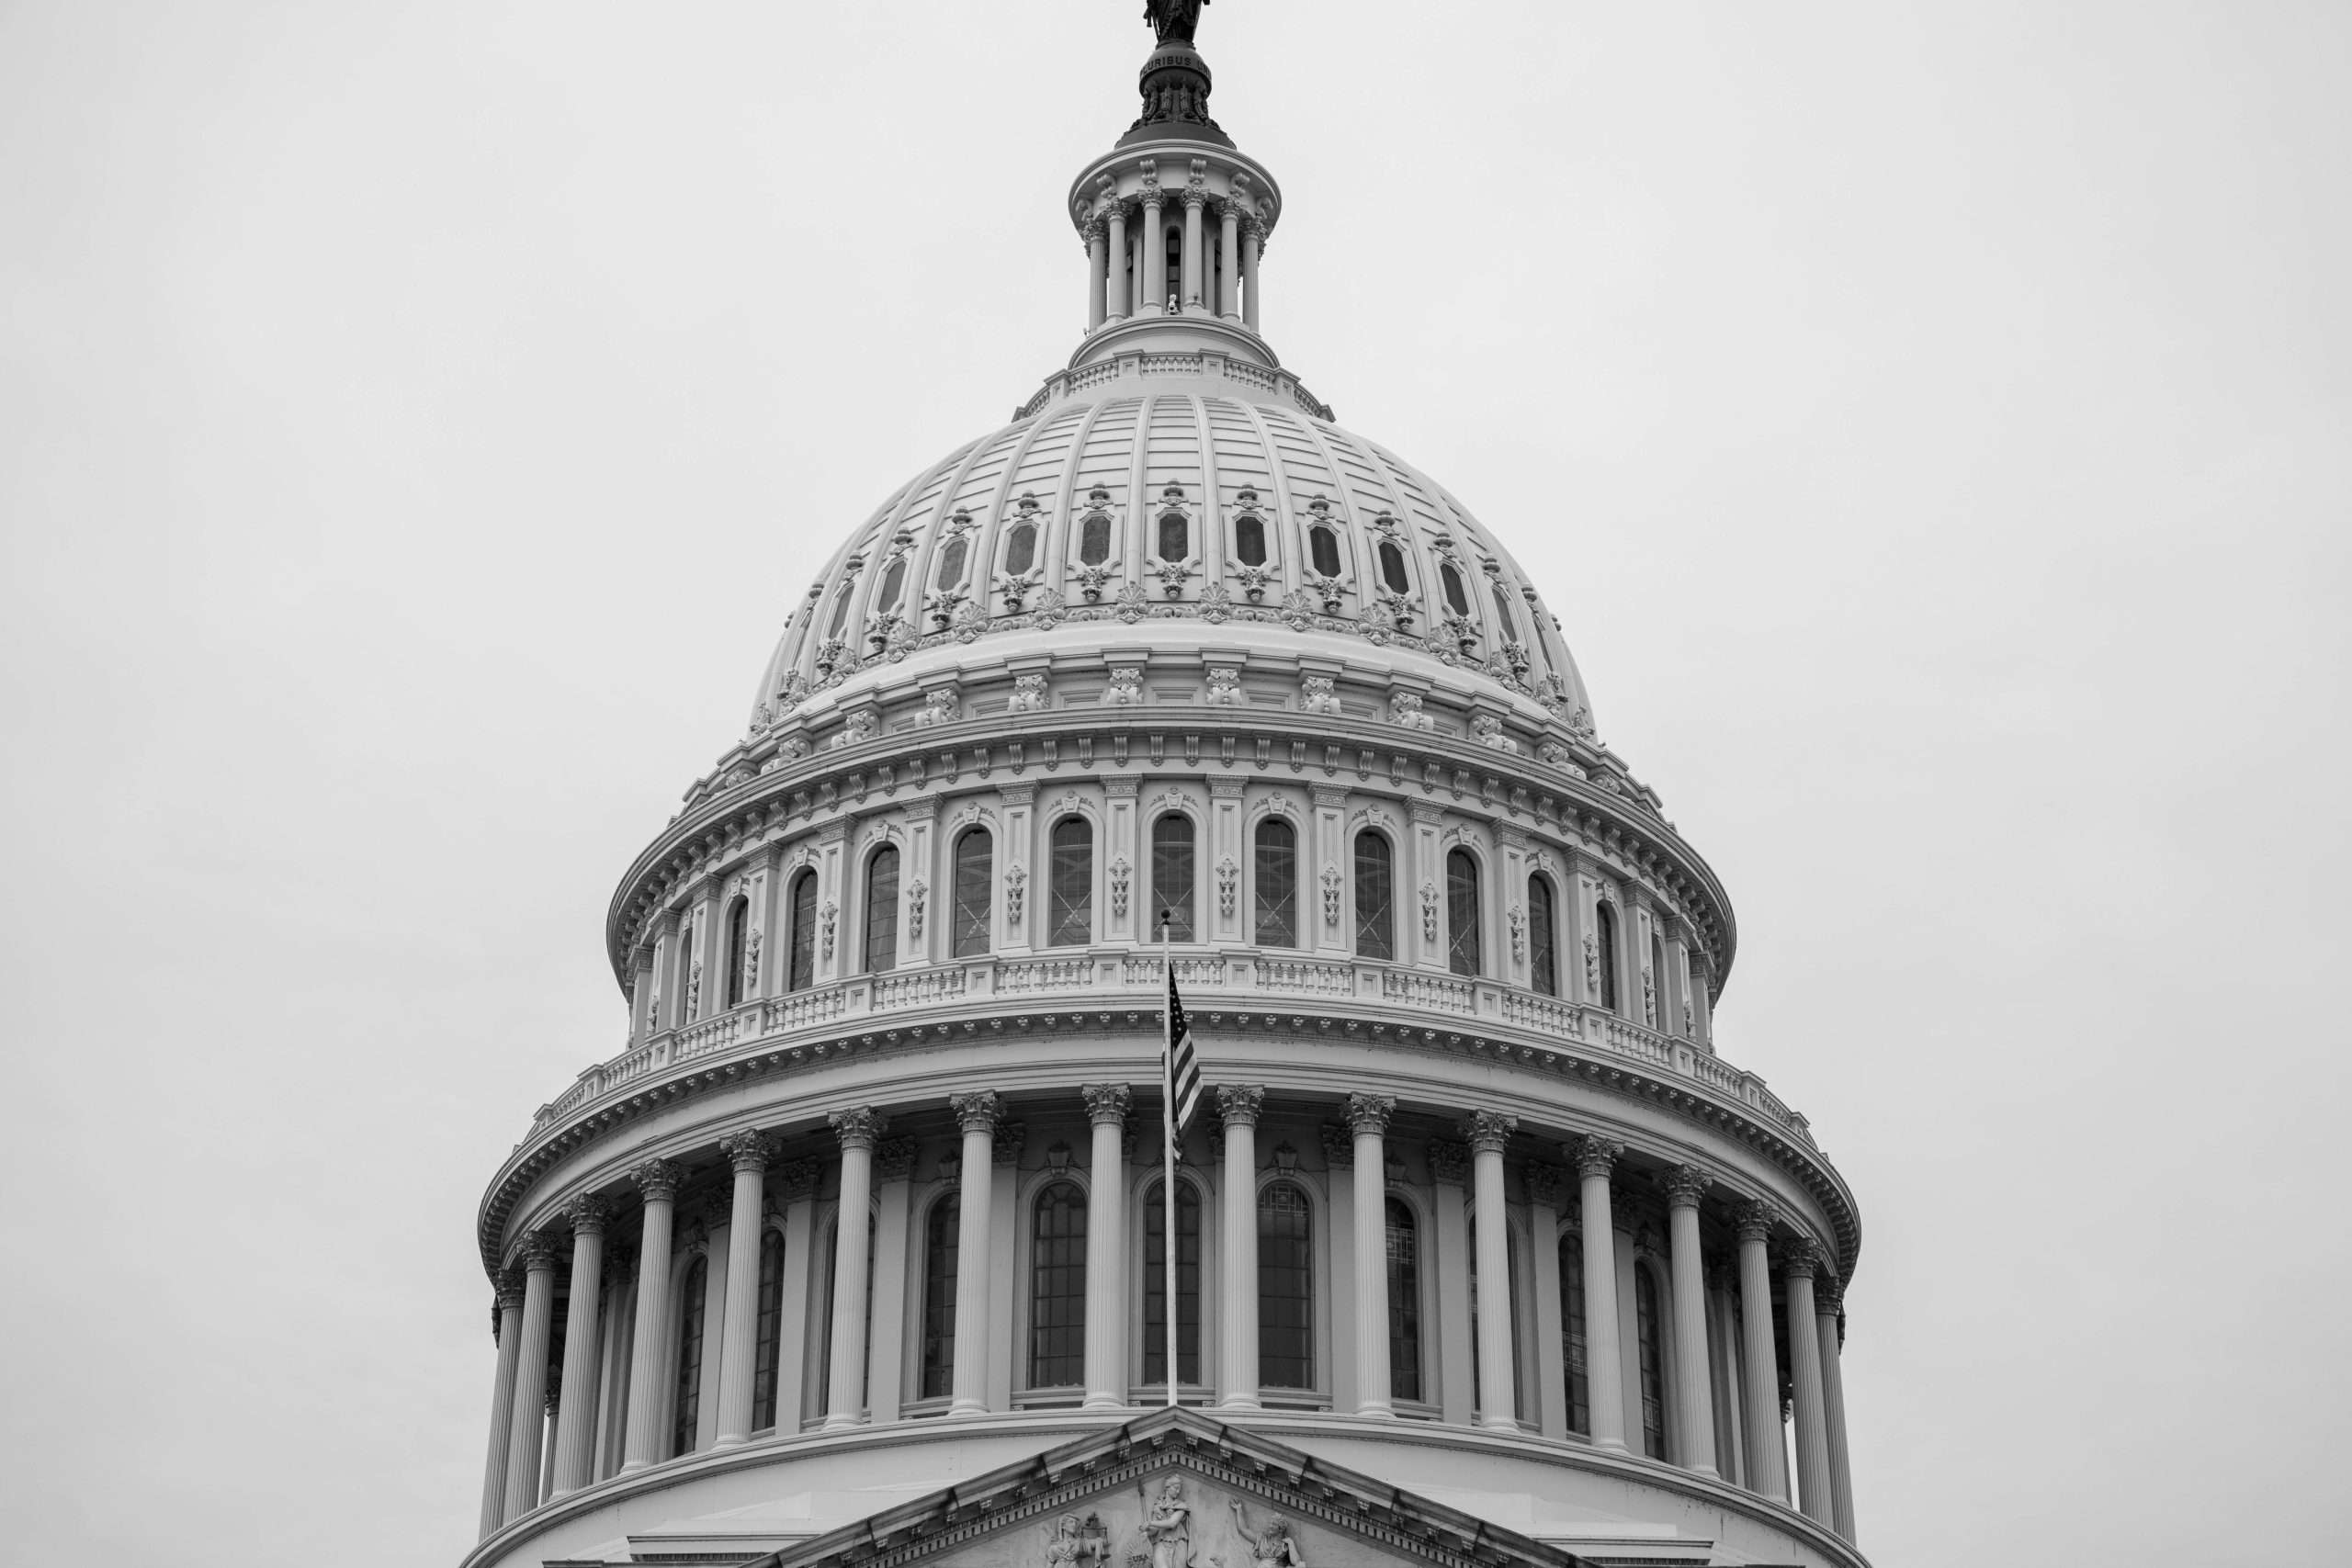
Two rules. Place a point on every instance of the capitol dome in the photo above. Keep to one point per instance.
(873, 1242)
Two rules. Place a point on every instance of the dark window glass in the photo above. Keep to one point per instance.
(1375, 914)
(1072, 920)
(841, 610)
(939, 1239)
(951, 564)
(1188, 1284)
(1285, 1289)
(688, 1405)
(1020, 547)
(1250, 540)
(825, 1360)
(685, 992)
(882, 910)
(770, 1331)
(1543, 958)
(1574, 1356)
(892, 580)
(1391, 567)
(1658, 982)
(1323, 548)
(1277, 884)
(741, 981)
(1058, 1288)
(1403, 1303)
(1171, 873)
(1604, 925)
(1455, 594)
(1653, 1362)
(1175, 264)
(1094, 539)
(1174, 544)
(804, 931)
(1505, 622)
(1511, 1310)
(975, 888)
(1460, 912)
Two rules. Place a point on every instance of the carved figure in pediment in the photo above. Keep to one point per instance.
(1072, 1544)
(1168, 1525)
(1272, 1546)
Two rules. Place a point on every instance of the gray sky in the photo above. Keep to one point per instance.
(1930, 423)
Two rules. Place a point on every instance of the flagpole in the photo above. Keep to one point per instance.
(1169, 1294)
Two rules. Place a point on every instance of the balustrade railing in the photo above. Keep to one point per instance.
(1307, 979)
(1431, 991)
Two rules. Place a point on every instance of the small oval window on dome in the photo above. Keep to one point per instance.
(1021, 548)
(1175, 537)
(1323, 548)
(1503, 617)
(1094, 539)
(951, 565)
(1391, 567)
(1249, 541)
(1455, 596)
(892, 580)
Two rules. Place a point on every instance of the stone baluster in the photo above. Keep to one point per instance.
(1828, 1307)
(1486, 1132)
(1368, 1117)
(1805, 1370)
(575, 1441)
(1114, 302)
(859, 1130)
(1768, 1470)
(648, 1373)
(1695, 1387)
(529, 1421)
(749, 1153)
(1605, 1376)
(1239, 1106)
(502, 1400)
(977, 1114)
(1106, 1249)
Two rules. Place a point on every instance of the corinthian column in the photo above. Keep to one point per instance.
(1239, 1106)
(1768, 1470)
(1228, 253)
(1368, 1117)
(1486, 1132)
(1804, 1369)
(1097, 265)
(1153, 285)
(658, 1179)
(1695, 1387)
(575, 1432)
(1107, 1248)
(1604, 1374)
(1253, 239)
(502, 1400)
(1193, 197)
(739, 1349)
(1829, 1302)
(858, 1130)
(1116, 284)
(528, 1422)
(977, 1114)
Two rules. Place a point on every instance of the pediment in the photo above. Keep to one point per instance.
(1174, 1489)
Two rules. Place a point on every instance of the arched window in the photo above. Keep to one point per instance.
(1094, 539)
(1653, 1362)
(1188, 1283)
(1573, 1354)
(688, 1405)
(1285, 1289)
(975, 884)
(892, 580)
(951, 564)
(1456, 597)
(1250, 540)
(824, 1390)
(1604, 927)
(1276, 898)
(1323, 549)
(804, 931)
(1375, 911)
(1543, 953)
(1653, 994)
(1461, 912)
(1171, 873)
(1058, 1288)
(1021, 548)
(769, 1341)
(1505, 622)
(1175, 537)
(1391, 567)
(882, 910)
(939, 1243)
(1404, 1302)
(1070, 919)
(685, 991)
(739, 951)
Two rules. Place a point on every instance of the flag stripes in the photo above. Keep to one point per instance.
(1183, 1063)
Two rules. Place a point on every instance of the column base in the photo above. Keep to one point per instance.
(967, 1407)
(728, 1440)
(1708, 1470)
(1383, 1411)
(1503, 1424)
(1241, 1401)
(1611, 1445)
(1103, 1402)
(635, 1466)
(843, 1423)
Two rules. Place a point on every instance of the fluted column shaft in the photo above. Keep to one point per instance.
(528, 1422)
(1115, 285)
(1368, 1117)
(1153, 285)
(1252, 243)
(858, 1131)
(1106, 1249)
(1827, 1297)
(1804, 1371)
(1486, 1132)
(739, 1346)
(977, 1113)
(1096, 266)
(1768, 1470)
(501, 1403)
(575, 1430)
(1228, 253)
(1239, 1106)
(1193, 200)
(647, 1371)
(1604, 1371)
(1694, 1417)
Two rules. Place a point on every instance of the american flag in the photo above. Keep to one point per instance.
(1182, 1069)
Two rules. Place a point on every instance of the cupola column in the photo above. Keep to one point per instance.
(575, 1432)
(1253, 243)
(1368, 1117)
(1605, 1387)
(502, 1401)
(1486, 1132)
(977, 1114)
(1193, 197)
(1804, 1369)
(1114, 253)
(1239, 1106)
(858, 1129)
(1107, 1248)
(1228, 252)
(528, 1425)
(1768, 1470)
(1694, 1386)
(749, 1153)
(1153, 284)
(1097, 266)
(1829, 1302)
(649, 1372)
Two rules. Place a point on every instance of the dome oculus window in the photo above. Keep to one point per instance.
(1392, 568)
(1457, 598)
(1021, 548)
(1175, 537)
(892, 581)
(1249, 541)
(1504, 620)
(951, 565)
(1094, 539)
(1323, 549)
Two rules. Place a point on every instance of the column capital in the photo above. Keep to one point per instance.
(1685, 1186)
(1828, 1295)
(1449, 1161)
(1339, 1146)
(1106, 1103)
(588, 1214)
(1755, 1218)
(1593, 1156)
(1238, 1105)
(1370, 1112)
(894, 1159)
(539, 1251)
(658, 1180)
(1009, 1139)
(1544, 1184)
(509, 1287)
(748, 1150)
(1192, 196)
(800, 1179)
(975, 1113)
(1487, 1131)
(1799, 1256)
(858, 1127)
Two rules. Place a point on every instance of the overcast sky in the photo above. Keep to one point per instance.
(1930, 423)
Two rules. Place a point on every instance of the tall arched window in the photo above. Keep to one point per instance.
(804, 932)
(1175, 537)
(951, 564)
(939, 1244)
(1376, 896)
(1653, 1362)
(1276, 895)
(1250, 539)
(1171, 873)
(1020, 548)
(1323, 549)
(1653, 994)
(1543, 951)
(1070, 911)
(975, 885)
(1391, 567)
(1404, 1302)
(1572, 1353)
(882, 910)
(1285, 1289)
(1461, 912)
(1188, 1283)
(1604, 929)
(1457, 598)
(1058, 1288)
(825, 1346)
(685, 991)
(686, 1408)
(769, 1342)
(1094, 539)
(1511, 1310)
(739, 951)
